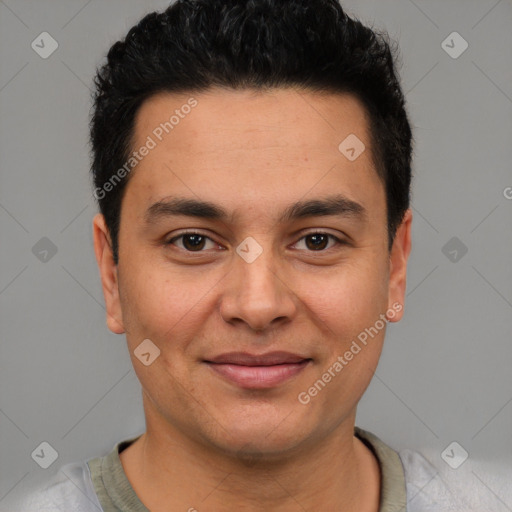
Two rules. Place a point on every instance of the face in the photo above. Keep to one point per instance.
(253, 253)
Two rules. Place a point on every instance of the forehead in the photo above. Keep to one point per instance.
(226, 117)
(256, 144)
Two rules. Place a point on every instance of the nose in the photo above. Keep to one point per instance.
(257, 294)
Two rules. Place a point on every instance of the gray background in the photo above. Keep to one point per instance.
(445, 374)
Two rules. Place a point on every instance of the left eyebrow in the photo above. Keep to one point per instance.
(337, 205)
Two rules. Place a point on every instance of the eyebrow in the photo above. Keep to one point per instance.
(337, 205)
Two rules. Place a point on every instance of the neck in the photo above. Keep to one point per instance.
(166, 466)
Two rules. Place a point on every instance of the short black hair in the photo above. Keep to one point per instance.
(195, 45)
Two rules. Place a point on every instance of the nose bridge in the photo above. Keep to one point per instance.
(257, 294)
(258, 267)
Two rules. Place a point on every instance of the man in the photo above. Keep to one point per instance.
(252, 163)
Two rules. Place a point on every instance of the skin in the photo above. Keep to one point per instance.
(210, 444)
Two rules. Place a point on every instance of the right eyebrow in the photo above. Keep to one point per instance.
(184, 206)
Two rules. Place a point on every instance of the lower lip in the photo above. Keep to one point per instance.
(258, 377)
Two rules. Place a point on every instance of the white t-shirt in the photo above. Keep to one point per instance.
(409, 483)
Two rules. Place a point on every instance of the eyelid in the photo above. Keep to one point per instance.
(319, 231)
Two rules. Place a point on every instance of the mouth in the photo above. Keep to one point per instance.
(258, 371)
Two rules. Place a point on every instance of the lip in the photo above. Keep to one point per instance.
(258, 371)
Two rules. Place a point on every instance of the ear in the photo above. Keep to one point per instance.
(108, 274)
(400, 251)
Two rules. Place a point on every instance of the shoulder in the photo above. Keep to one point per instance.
(69, 490)
(426, 491)
(476, 484)
(432, 485)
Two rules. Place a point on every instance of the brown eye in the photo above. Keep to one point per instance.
(319, 241)
(191, 242)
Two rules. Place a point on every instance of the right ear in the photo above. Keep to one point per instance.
(108, 274)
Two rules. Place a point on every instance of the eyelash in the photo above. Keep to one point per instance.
(331, 236)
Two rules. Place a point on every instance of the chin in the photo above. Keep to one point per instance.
(250, 452)
(259, 437)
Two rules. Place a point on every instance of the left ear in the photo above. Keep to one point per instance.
(400, 251)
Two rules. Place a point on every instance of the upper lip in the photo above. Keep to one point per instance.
(246, 359)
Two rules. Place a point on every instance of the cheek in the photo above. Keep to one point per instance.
(347, 300)
(160, 303)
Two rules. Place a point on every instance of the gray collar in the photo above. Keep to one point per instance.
(116, 494)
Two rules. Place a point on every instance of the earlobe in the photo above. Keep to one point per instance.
(108, 274)
(398, 266)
